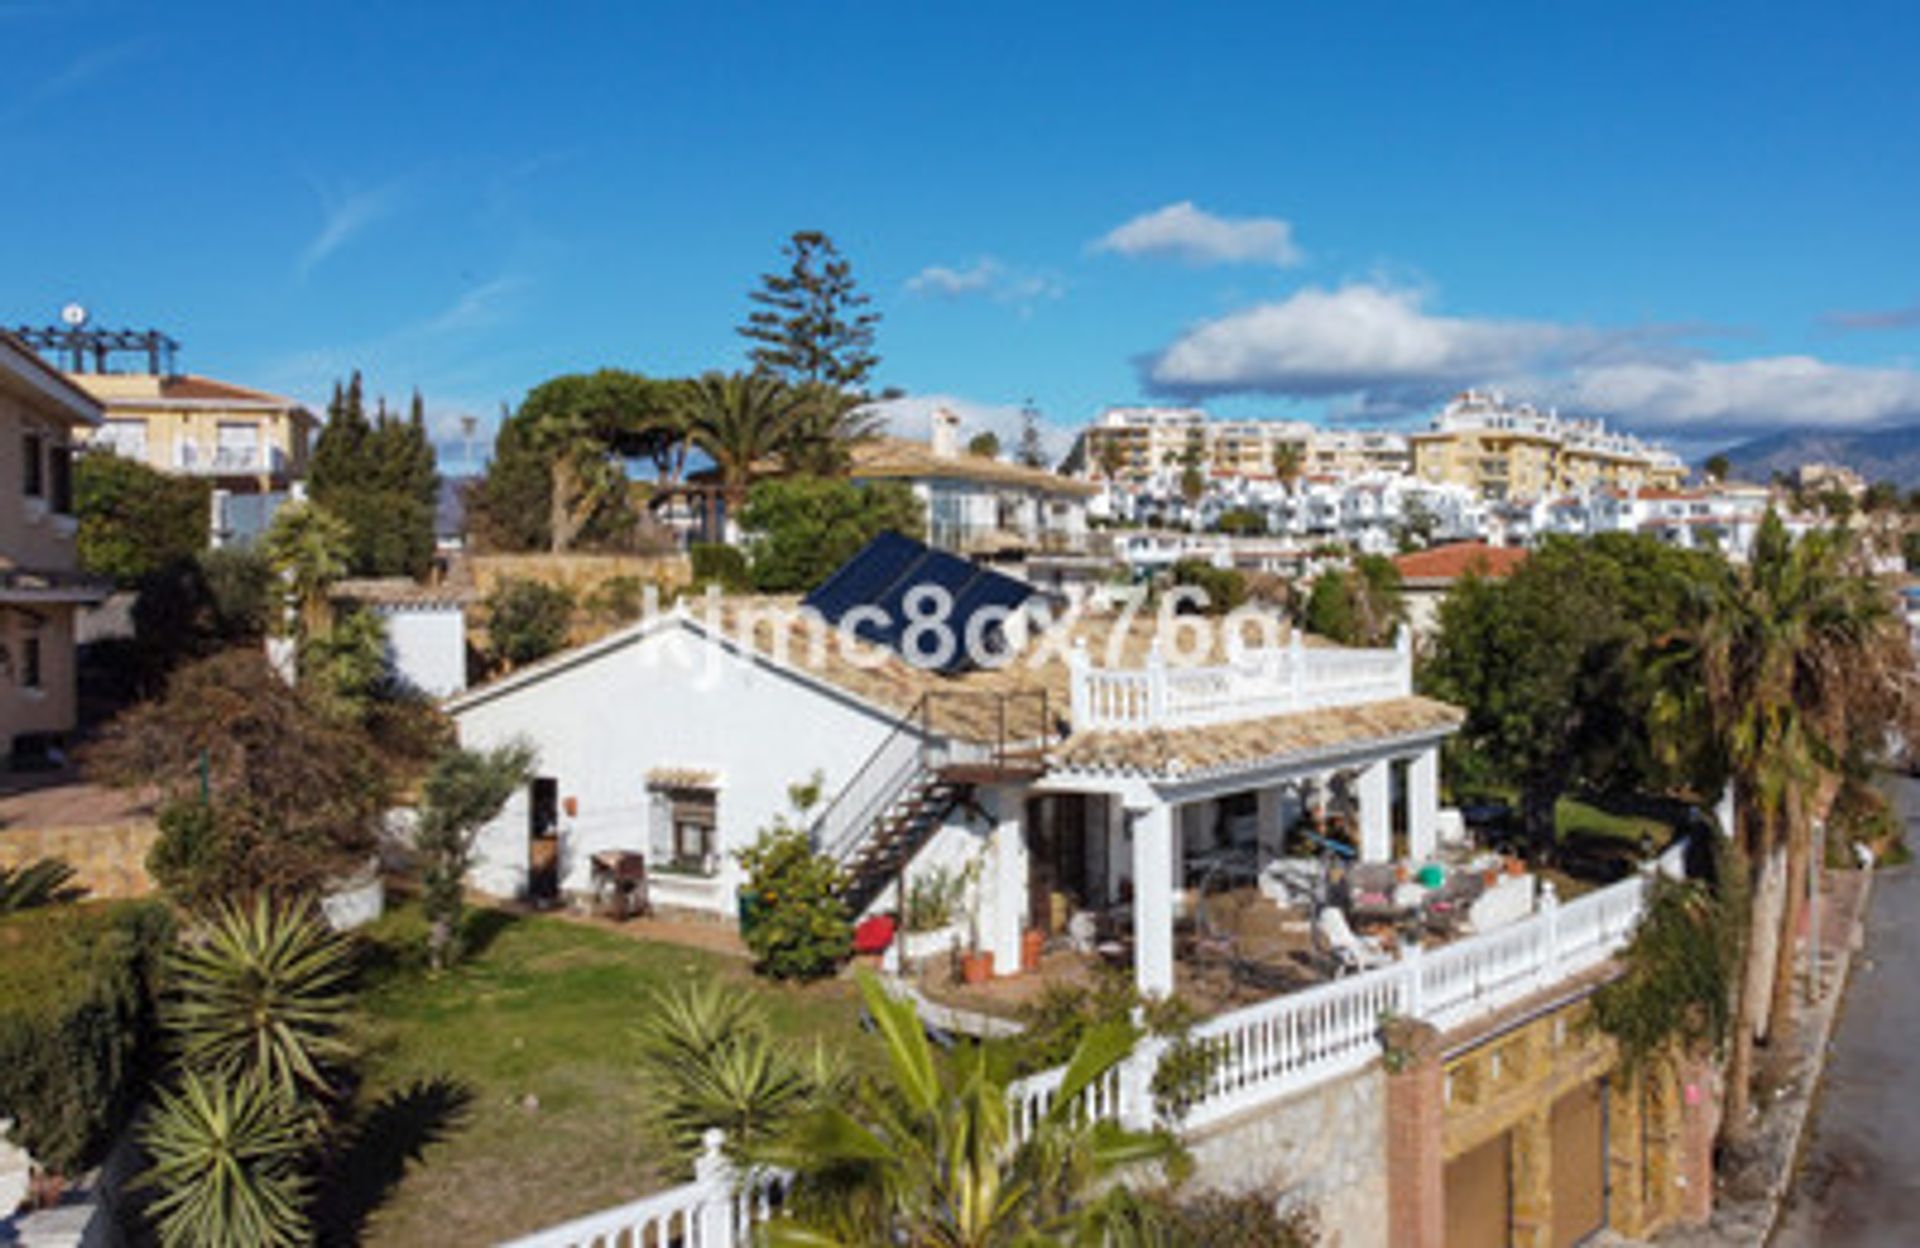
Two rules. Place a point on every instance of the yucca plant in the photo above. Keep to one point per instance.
(262, 991)
(226, 1157)
(39, 883)
(710, 1060)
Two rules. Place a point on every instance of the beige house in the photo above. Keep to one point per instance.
(41, 412)
(250, 445)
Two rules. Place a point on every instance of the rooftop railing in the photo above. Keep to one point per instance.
(1277, 680)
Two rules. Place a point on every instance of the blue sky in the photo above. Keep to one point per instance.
(1697, 220)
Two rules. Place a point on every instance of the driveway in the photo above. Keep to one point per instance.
(1860, 1181)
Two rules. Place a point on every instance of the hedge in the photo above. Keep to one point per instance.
(77, 989)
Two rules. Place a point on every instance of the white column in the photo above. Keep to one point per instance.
(1153, 900)
(1423, 802)
(1376, 813)
(1268, 804)
(1006, 881)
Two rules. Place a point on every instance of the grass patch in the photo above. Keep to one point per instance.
(1574, 819)
(501, 1097)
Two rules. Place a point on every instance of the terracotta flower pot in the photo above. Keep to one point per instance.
(1032, 943)
(977, 968)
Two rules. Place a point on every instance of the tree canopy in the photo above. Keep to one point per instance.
(802, 528)
(811, 324)
(1552, 667)
(380, 477)
(135, 520)
(1358, 606)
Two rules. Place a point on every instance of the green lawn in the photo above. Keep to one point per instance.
(501, 1097)
(1574, 819)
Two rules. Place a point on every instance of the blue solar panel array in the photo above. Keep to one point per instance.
(885, 575)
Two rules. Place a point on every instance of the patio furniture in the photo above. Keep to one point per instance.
(1508, 900)
(620, 883)
(1351, 952)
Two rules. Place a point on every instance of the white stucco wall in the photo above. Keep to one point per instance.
(427, 646)
(666, 700)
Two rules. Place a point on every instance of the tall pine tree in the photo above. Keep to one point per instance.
(811, 324)
(379, 477)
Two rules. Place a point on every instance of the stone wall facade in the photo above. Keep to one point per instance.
(1325, 1148)
(109, 859)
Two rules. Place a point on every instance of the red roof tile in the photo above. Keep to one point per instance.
(1448, 563)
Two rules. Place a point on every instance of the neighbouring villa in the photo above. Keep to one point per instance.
(1103, 779)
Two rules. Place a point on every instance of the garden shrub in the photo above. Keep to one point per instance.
(802, 528)
(800, 928)
(527, 620)
(715, 563)
(77, 988)
(1224, 588)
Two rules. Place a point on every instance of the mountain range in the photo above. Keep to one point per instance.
(1876, 454)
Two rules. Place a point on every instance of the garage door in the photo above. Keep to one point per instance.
(1479, 1194)
(1579, 1164)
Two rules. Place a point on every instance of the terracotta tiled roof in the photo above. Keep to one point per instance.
(1223, 747)
(399, 591)
(898, 458)
(1450, 563)
(966, 705)
(192, 387)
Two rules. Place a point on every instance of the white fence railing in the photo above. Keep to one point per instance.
(1273, 680)
(1264, 1053)
(1280, 1047)
(716, 1210)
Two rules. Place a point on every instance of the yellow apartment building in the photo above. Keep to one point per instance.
(1514, 451)
(42, 414)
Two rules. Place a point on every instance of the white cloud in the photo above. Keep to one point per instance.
(1375, 351)
(1359, 338)
(912, 417)
(986, 277)
(1187, 233)
(1740, 395)
(344, 216)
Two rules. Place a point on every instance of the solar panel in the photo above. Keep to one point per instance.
(990, 591)
(885, 575)
(865, 577)
(915, 594)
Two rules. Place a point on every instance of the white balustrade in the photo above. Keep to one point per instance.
(719, 1209)
(1257, 683)
(1290, 1043)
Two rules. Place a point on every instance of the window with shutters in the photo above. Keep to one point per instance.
(684, 837)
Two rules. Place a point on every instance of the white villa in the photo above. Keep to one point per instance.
(1095, 772)
(976, 503)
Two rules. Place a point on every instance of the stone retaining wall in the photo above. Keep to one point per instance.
(109, 859)
(1325, 1148)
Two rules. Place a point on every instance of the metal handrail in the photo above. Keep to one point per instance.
(890, 769)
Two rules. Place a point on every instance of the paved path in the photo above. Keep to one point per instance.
(1860, 1182)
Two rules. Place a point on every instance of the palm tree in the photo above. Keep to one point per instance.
(262, 993)
(1287, 463)
(308, 546)
(928, 1155)
(828, 424)
(1792, 660)
(742, 421)
(226, 1164)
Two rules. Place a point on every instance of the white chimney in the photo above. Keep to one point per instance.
(946, 433)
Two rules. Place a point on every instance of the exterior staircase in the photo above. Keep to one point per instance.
(897, 835)
(908, 786)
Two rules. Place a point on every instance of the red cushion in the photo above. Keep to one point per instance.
(873, 935)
